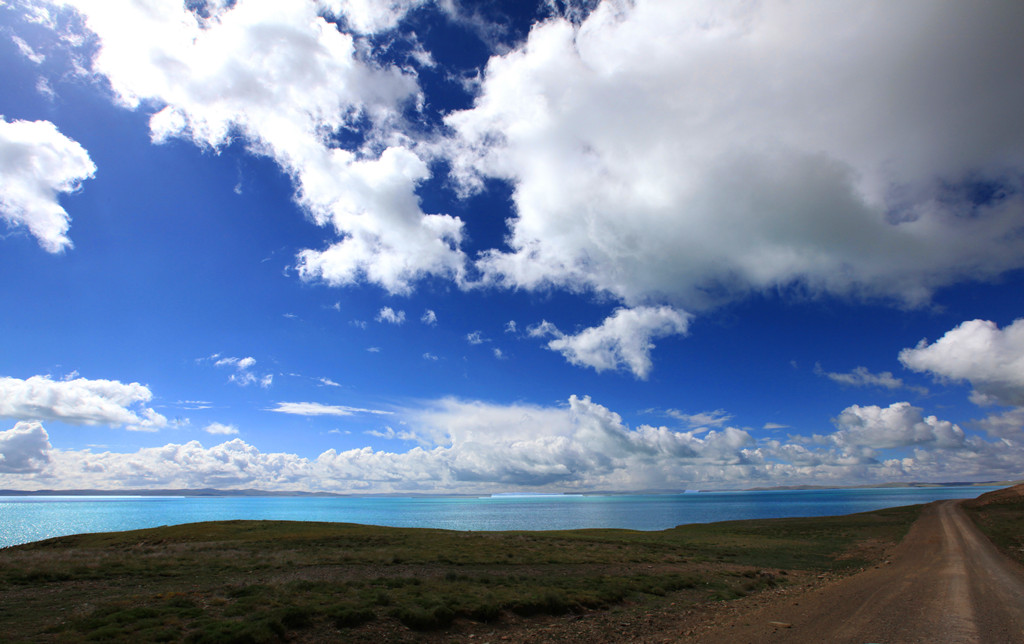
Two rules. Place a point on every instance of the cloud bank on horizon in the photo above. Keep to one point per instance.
(485, 447)
(663, 160)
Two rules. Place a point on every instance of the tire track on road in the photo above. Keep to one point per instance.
(944, 583)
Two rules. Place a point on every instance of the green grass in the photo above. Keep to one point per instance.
(1003, 523)
(266, 581)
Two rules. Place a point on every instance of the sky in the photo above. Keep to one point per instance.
(442, 246)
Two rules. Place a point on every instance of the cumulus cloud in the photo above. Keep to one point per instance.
(1008, 424)
(79, 402)
(391, 316)
(658, 154)
(582, 444)
(898, 425)
(38, 163)
(25, 448)
(318, 409)
(694, 153)
(990, 358)
(429, 318)
(862, 377)
(229, 465)
(292, 86)
(371, 16)
(479, 447)
(623, 341)
(220, 429)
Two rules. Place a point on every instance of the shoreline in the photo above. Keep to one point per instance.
(313, 582)
(214, 492)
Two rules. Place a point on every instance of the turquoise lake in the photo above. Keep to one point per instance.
(31, 518)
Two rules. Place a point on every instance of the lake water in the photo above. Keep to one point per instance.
(31, 518)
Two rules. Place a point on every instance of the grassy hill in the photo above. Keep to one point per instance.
(264, 581)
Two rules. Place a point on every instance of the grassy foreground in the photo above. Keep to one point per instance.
(1000, 515)
(265, 581)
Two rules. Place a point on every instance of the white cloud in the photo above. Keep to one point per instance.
(694, 153)
(1008, 424)
(79, 402)
(194, 404)
(26, 50)
(327, 382)
(430, 356)
(898, 425)
(229, 465)
(244, 374)
(389, 433)
(220, 429)
(499, 354)
(715, 418)
(389, 315)
(45, 89)
(476, 337)
(284, 80)
(861, 377)
(992, 360)
(429, 318)
(481, 447)
(623, 341)
(318, 409)
(25, 448)
(238, 363)
(584, 444)
(37, 163)
(371, 16)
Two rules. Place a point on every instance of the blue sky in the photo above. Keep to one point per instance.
(443, 246)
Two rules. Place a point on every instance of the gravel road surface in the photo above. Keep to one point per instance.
(944, 583)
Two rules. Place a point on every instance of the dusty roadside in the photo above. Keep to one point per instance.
(944, 583)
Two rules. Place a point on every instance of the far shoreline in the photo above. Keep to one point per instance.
(214, 492)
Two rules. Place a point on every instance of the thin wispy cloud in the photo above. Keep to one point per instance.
(861, 377)
(319, 409)
(716, 418)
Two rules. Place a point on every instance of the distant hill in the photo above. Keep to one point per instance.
(166, 492)
(1010, 495)
(913, 484)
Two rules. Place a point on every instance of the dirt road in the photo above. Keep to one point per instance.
(944, 583)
